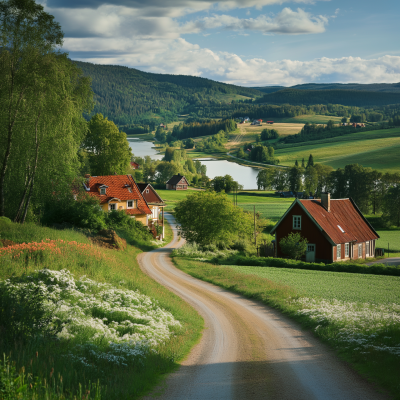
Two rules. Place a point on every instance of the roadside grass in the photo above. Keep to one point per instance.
(376, 149)
(365, 333)
(71, 251)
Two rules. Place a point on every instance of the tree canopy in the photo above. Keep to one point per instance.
(210, 217)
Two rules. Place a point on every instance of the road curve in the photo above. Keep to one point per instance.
(248, 350)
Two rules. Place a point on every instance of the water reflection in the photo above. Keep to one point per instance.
(141, 148)
(246, 176)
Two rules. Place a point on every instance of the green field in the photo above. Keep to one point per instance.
(312, 119)
(376, 289)
(376, 149)
(391, 238)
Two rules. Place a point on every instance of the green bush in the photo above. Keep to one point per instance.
(377, 269)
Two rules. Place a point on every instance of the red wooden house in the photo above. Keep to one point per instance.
(335, 229)
(177, 182)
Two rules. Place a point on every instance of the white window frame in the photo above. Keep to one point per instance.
(347, 250)
(296, 222)
(113, 206)
(360, 249)
(133, 204)
(147, 190)
(367, 249)
(338, 251)
(103, 191)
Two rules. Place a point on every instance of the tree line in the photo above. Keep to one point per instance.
(373, 191)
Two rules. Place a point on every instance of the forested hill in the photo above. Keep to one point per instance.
(369, 87)
(127, 95)
(357, 98)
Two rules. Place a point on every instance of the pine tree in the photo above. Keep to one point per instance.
(302, 163)
(310, 162)
(296, 163)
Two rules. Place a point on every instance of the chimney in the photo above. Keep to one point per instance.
(87, 176)
(326, 201)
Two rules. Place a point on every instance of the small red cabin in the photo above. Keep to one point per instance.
(177, 182)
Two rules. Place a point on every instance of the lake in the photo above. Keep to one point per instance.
(246, 176)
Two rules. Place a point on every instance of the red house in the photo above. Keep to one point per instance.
(134, 165)
(336, 230)
(177, 182)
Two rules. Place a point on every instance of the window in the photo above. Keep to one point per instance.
(360, 250)
(347, 250)
(296, 221)
(367, 248)
(131, 204)
(112, 206)
(339, 251)
(147, 190)
(102, 190)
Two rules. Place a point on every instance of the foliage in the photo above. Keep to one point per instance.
(332, 96)
(224, 184)
(263, 154)
(42, 98)
(108, 150)
(268, 134)
(293, 245)
(391, 205)
(210, 217)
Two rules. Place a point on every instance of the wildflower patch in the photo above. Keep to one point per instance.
(106, 324)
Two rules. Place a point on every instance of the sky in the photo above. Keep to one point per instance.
(243, 42)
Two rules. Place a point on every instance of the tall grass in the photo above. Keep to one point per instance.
(72, 251)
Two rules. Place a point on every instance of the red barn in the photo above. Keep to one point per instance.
(335, 229)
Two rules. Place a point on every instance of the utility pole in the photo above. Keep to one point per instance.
(255, 234)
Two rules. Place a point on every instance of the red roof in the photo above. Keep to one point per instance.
(135, 165)
(122, 187)
(343, 214)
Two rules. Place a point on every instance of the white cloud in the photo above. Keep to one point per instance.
(286, 22)
(181, 57)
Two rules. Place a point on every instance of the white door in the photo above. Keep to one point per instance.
(310, 254)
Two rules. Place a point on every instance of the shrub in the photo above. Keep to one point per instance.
(293, 245)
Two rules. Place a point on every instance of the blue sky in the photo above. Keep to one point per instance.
(244, 42)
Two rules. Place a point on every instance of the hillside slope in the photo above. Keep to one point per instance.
(127, 95)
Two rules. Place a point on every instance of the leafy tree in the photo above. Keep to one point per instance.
(240, 153)
(42, 97)
(108, 149)
(293, 245)
(208, 217)
(169, 154)
(224, 183)
(268, 134)
(166, 170)
(295, 179)
(391, 206)
(310, 180)
(310, 162)
(189, 143)
(265, 179)
(344, 120)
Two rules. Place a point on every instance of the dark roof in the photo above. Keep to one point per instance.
(176, 179)
(343, 214)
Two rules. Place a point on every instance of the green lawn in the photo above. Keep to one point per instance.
(375, 289)
(376, 149)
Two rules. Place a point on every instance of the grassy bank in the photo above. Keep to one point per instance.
(359, 316)
(97, 344)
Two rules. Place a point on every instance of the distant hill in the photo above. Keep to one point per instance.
(127, 95)
(357, 98)
(371, 87)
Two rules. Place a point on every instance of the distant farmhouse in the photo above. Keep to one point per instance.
(177, 182)
(335, 229)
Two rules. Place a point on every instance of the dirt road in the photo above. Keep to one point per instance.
(248, 351)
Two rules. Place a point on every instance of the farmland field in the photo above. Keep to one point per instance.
(312, 119)
(376, 149)
(365, 288)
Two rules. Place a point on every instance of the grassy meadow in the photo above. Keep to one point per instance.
(116, 308)
(358, 315)
(376, 149)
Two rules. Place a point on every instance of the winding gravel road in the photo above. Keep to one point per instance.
(248, 350)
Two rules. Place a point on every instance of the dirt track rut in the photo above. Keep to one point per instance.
(248, 350)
